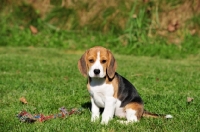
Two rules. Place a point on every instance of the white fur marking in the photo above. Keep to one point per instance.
(95, 111)
(130, 116)
(102, 96)
(119, 111)
(109, 109)
(97, 65)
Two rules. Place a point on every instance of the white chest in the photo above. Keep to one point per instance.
(99, 92)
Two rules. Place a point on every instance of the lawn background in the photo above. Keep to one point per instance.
(49, 79)
(156, 49)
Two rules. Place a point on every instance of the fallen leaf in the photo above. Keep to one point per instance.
(173, 25)
(171, 28)
(23, 100)
(33, 29)
(189, 99)
(134, 16)
(193, 31)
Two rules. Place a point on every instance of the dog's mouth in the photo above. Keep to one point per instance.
(97, 81)
(98, 76)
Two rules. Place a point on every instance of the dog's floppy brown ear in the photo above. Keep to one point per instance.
(82, 65)
(112, 65)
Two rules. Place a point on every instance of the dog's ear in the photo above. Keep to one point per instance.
(82, 64)
(112, 65)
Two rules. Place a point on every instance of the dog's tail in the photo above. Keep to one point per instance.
(149, 114)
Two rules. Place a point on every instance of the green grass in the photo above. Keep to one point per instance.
(49, 79)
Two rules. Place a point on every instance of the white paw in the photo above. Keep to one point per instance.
(94, 118)
(105, 120)
(125, 122)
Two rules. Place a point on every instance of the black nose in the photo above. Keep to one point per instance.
(96, 71)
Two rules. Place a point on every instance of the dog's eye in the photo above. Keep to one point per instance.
(103, 61)
(91, 60)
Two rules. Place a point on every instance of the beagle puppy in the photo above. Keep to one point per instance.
(109, 90)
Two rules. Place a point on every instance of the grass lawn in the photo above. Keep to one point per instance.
(49, 79)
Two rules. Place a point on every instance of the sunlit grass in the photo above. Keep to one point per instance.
(49, 79)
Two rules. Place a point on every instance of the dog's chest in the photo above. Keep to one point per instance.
(99, 92)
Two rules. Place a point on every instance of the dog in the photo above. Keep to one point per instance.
(109, 90)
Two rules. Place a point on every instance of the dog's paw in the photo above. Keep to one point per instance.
(104, 122)
(94, 118)
(124, 122)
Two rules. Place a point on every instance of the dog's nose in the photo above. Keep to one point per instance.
(96, 71)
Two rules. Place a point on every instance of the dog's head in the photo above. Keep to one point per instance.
(97, 62)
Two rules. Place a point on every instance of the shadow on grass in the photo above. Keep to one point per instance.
(88, 105)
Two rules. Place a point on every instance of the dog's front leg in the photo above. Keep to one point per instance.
(109, 109)
(95, 111)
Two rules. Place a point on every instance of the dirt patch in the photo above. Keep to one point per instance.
(175, 22)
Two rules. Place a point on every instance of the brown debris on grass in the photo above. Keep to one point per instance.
(23, 100)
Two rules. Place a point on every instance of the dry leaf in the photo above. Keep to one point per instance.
(193, 31)
(171, 28)
(189, 99)
(33, 29)
(23, 100)
(134, 16)
(173, 25)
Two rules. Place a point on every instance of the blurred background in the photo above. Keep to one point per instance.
(164, 28)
